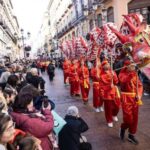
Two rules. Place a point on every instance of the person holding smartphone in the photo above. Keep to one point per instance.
(38, 123)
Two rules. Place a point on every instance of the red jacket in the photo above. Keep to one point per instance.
(108, 92)
(73, 73)
(95, 74)
(66, 66)
(129, 80)
(36, 126)
(83, 74)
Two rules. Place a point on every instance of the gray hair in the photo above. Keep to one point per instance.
(73, 111)
(34, 71)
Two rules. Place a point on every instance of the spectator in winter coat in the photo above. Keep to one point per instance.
(29, 120)
(69, 136)
(12, 83)
(4, 77)
(36, 80)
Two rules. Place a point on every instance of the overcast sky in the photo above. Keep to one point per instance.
(30, 14)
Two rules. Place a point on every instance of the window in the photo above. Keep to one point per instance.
(131, 11)
(138, 11)
(110, 14)
(145, 11)
(99, 20)
(91, 24)
(148, 16)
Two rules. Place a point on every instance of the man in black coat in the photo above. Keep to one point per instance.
(34, 79)
(51, 71)
(69, 136)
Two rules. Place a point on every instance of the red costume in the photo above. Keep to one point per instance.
(95, 74)
(130, 86)
(83, 73)
(74, 80)
(108, 93)
(66, 67)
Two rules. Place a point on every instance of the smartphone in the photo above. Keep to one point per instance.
(45, 103)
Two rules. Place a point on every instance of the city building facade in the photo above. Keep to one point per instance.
(9, 26)
(71, 18)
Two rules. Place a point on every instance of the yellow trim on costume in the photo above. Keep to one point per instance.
(139, 102)
(85, 84)
(95, 82)
(117, 92)
(129, 93)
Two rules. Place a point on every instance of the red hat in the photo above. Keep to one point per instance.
(127, 62)
(104, 63)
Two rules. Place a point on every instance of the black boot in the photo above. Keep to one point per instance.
(77, 95)
(132, 139)
(122, 134)
(85, 102)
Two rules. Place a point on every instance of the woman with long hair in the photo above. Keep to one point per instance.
(38, 124)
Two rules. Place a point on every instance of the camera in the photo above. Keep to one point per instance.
(45, 103)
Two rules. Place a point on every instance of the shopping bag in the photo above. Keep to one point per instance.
(59, 122)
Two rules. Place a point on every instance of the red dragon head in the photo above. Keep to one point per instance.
(136, 40)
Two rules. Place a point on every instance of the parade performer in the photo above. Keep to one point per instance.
(66, 66)
(95, 74)
(83, 73)
(108, 90)
(131, 93)
(74, 79)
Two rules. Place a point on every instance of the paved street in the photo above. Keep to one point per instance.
(101, 137)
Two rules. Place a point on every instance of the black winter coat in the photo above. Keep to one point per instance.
(35, 81)
(69, 136)
(50, 69)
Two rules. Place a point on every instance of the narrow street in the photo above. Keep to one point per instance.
(96, 38)
(101, 137)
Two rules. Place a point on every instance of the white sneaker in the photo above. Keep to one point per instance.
(110, 125)
(97, 110)
(146, 94)
(115, 118)
(101, 109)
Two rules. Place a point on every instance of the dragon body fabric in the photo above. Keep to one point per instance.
(134, 35)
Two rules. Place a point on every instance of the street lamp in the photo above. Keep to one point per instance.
(23, 38)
